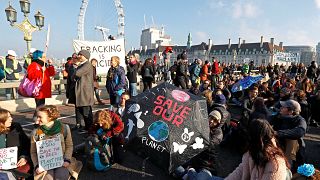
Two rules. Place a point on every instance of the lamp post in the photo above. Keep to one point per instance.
(25, 26)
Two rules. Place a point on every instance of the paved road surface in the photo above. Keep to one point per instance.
(132, 165)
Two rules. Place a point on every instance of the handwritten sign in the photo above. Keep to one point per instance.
(49, 153)
(8, 158)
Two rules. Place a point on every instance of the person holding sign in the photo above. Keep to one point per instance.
(12, 135)
(51, 128)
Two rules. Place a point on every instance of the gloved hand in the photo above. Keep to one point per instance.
(119, 92)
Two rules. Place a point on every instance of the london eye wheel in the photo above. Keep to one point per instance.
(111, 20)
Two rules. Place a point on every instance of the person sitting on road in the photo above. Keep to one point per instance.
(107, 124)
(205, 161)
(51, 127)
(290, 129)
(12, 135)
(122, 105)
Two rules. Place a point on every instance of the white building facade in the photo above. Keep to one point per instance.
(153, 37)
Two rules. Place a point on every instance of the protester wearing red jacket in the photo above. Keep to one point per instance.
(37, 69)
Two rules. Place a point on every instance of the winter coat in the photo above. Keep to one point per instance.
(204, 72)
(12, 68)
(215, 69)
(247, 170)
(116, 80)
(17, 137)
(146, 77)
(312, 72)
(116, 128)
(132, 72)
(71, 85)
(84, 85)
(95, 78)
(35, 71)
(67, 150)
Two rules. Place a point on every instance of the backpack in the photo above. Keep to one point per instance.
(147, 72)
(99, 153)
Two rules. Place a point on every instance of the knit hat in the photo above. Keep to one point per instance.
(285, 91)
(216, 114)
(220, 99)
(85, 53)
(292, 104)
(37, 55)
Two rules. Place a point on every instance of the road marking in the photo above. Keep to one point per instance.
(64, 117)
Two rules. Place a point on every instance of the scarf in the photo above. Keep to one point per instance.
(55, 129)
(38, 61)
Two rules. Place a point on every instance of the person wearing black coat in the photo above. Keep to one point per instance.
(132, 72)
(148, 72)
(12, 135)
(290, 129)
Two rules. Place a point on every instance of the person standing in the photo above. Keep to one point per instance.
(39, 69)
(147, 73)
(116, 81)
(83, 77)
(132, 72)
(95, 80)
(12, 68)
(28, 58)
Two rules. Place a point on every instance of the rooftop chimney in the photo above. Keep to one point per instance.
(243, 41)
(210, 43)
(261, 42)
(281, 45)
(229, 45)
(272, 41)
(239, 44)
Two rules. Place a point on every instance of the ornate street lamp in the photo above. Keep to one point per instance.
(39, 19)
(25, 26)
(11, 14)
(25, 7)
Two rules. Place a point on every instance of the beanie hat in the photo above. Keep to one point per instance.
(216, 114)
(85, 53)
(36, 55)
(220, 99)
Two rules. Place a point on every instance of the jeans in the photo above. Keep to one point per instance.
(133, 89)
(203, 174)
(96, 92)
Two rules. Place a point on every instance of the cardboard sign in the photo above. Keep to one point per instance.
(49, 153)
(8, 158)
(102, 51)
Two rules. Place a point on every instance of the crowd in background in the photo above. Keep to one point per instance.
(275, 112)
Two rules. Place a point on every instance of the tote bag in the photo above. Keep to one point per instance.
(30, 88)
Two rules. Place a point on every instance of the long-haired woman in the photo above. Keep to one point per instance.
(12, 135)
(264, 159)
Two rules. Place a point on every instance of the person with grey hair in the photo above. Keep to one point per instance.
(84, 90)
(290, 129)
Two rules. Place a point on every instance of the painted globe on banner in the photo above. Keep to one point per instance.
(158, 131)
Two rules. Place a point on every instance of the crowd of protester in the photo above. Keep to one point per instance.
(275, 112)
